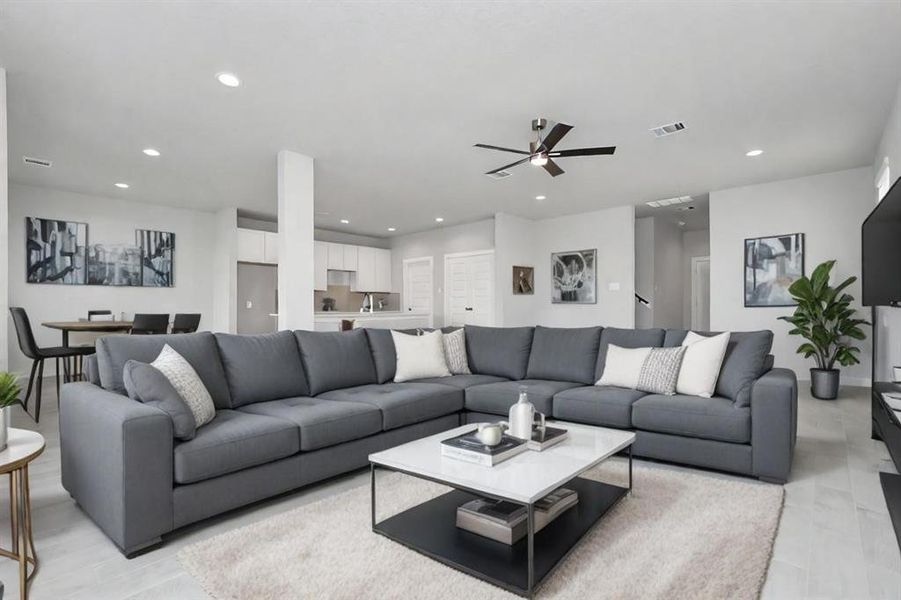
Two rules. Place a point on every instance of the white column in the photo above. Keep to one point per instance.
(295, 241)
(225, 272)
(4, 230)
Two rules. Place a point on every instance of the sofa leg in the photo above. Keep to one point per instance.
(143, 548)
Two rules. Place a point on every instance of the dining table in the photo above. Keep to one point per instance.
(84, 326)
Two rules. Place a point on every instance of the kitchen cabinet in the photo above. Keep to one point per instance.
(350, 257)
(382, 270)
(270, 247)
(251, 246)
(320, 266)
(335, 256)
(364, 278)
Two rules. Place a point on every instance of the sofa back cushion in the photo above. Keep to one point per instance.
(625, 338)
(262, 367)
(499, 351)
(564, 354)
(199, 349)
(336, 359)
(384, 354)
(746, 360)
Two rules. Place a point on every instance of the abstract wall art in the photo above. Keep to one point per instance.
(55, 251)
(574, 277)
(772, 264)
(157, 257)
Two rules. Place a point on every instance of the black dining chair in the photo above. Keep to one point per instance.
(186, 322)
(38, 355)
(150, 324)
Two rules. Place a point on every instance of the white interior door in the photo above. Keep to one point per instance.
(419, 286)
(700, 293)
(469, 288)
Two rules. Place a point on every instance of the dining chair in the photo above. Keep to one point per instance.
(150, 324)
(186, 322)
(38, 355)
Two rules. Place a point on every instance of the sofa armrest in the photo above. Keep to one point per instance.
(117, 463)
(774, 424)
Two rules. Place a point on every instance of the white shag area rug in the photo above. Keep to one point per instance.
(677, 535)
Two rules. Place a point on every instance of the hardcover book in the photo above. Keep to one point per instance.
(547, 437)
(467, 447)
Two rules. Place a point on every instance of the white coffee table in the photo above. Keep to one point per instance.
(430, 527)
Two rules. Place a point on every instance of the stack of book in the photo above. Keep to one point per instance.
(505, 522)
(545, 437)
(469, 448)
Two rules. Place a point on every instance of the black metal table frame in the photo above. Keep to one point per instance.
(530, 527)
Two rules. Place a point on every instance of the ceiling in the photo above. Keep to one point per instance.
(692, 215)
(389, 97)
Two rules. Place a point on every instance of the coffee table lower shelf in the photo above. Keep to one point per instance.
(430, 528)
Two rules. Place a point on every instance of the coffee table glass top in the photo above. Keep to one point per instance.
(524, 478)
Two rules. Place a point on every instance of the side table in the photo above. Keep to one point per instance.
(22, 448)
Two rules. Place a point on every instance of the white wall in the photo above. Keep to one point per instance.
(610, 231)
(225, 271)
(889, 322)
(828, 209)
(436, 243)
(295, 240)
(644, 271)
(694, 243)
(4, 229)
(112, 221)
(668, 279)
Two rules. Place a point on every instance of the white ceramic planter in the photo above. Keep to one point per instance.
(5, 416)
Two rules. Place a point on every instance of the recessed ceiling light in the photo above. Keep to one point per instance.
(392, 229)
(540, 197)
(345, 222)
(151, 152)
(681, 223)
(439, 219)
(754, 153)
(228, 79)
(123, 186)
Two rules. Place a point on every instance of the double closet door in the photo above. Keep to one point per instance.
(469, 288)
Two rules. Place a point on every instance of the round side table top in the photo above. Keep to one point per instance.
(23, 446)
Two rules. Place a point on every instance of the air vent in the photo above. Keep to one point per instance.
(668, 201)
(38, 162)
(499, 174)
(665, 130)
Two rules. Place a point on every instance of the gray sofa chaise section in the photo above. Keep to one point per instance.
(294, 408)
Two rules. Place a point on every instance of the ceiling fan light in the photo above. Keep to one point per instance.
(539, 160)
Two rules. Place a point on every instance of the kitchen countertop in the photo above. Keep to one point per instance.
(334, 314)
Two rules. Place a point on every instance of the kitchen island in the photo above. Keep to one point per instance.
(387, 319)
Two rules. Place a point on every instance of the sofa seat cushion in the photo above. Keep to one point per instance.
(232, 441)
(463, 381)
(714, 418)
(322, 423)
(603, 405)
(497, 398)
(262, 367)
(403, 403)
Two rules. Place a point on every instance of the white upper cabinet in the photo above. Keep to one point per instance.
(350, 257)
(364, 280)
(335, 256)
(251, 245)
(382, 270)
(320, 266)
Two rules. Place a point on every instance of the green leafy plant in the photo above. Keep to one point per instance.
(9, 389)
(824, 317)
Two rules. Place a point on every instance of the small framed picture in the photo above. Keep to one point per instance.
(523, 281)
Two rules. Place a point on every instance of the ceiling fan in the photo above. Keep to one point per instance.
(541, 151)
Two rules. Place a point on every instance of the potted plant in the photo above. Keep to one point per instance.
(9, 395)
(824, 317)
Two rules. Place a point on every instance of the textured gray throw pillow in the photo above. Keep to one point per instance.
(660, 371)
(147, 384)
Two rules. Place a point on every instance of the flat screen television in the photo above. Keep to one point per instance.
(881, 268)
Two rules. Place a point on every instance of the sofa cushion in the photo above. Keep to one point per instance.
(499, 351)
(497, 398)
(714, 418)
(232, 441)
(419, 356)
(625, 338)
(403, 403)
(262, 367)
(336, 359)
(322, 423)
(603, 405)
(462, 381)
(564, 354)
(199, 349)
(746, 361)
(148, 385)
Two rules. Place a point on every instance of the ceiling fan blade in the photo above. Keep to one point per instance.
(553, 168)
(505, 167)
(555, 135)
(501, 148)
(583, 152)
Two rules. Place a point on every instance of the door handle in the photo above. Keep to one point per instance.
(469, 308)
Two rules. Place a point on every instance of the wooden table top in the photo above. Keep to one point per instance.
(88, 325)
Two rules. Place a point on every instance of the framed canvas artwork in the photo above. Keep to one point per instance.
(574, 277)
(55, 251)
(772, 264)
(523, 281)
(157, 257)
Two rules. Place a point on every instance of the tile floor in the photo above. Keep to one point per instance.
(835, 539)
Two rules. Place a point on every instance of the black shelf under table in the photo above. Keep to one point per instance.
(430, 528)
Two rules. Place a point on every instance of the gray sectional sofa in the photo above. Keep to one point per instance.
(294, 408)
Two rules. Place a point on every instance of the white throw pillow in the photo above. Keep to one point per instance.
(419, 356)
(701, 364)
(455, 352)
(187, 383)
(623, 366)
